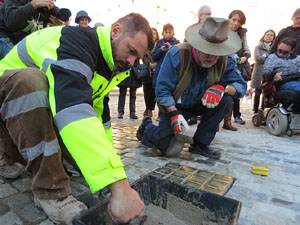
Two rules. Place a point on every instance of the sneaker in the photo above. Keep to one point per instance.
(205, 150)
(239, 120)
(142, 127)
(10, 171)
(61, 211)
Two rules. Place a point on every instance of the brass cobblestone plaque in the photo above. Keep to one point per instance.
(200, 179)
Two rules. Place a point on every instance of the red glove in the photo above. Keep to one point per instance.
(213, 96)
(178, 122)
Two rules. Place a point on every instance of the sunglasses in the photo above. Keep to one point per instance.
(280, 51)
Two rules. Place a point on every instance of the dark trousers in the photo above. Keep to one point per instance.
(149, 95)
(236, 108)
(158, 136)
(122, 99)
(28, 134)
(256, 102)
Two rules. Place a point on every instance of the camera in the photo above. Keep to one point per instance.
(166, 45)
(62, 14)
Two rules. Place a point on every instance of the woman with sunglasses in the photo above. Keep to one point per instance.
(283, 67)
(261, 52)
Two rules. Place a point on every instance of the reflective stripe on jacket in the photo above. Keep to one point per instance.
(79, 66)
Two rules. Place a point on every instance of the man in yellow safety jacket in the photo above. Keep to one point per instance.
(53, 101)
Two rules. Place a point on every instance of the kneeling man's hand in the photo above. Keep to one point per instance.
(178, 122)
(213, 96)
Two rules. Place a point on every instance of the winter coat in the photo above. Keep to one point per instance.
(16, 20)
(287, 66)
(158, 55)
(261, 52)
(78, 63)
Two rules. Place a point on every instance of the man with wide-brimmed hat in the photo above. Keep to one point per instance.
(198, 77)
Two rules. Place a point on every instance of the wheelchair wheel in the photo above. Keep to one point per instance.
(256, 120)
(277, 123)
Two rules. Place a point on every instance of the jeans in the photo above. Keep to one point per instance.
(157, 136)
(292, 86)
(5, 46)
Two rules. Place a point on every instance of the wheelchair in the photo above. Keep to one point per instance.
(281, 113)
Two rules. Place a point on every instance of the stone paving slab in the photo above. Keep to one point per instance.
(266, 200)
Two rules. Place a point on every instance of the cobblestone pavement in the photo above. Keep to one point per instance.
(266, 200)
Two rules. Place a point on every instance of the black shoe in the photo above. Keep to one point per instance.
(192, 120)
(141, 129)
(133, 116)
(205, 150)
(120, 116)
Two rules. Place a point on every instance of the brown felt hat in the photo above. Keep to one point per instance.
(213, 37)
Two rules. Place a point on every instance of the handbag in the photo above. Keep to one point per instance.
(246, 71)
(268, 87)
(141, 71)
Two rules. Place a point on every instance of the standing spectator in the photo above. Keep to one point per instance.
(162, 47)
(19, 18)
(149, 91)
(260, 54)
(236, 20)
(292, 31)
(132, 83)
(203, 12)
(82, 19)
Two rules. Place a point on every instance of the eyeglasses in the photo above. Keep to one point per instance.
(280, 51)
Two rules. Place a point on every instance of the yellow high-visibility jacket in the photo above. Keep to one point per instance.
(78, 63)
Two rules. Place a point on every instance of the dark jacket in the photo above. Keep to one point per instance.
(131, 81)
(16, 19)
(287, 32)
(158, 55)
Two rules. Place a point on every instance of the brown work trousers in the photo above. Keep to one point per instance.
(26, 126)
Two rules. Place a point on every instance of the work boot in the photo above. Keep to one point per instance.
(10, 171)
(227, 120)
(205, 150)
(142, 127)
(61, 211)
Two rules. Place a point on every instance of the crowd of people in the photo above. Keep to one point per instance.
(62, 75)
